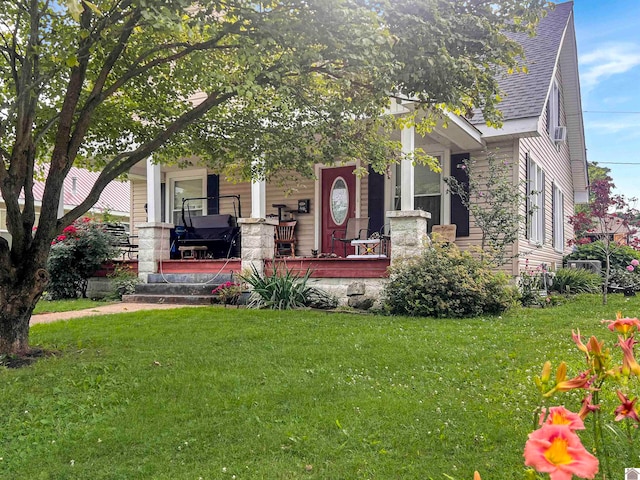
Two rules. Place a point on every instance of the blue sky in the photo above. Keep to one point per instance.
(608, 34)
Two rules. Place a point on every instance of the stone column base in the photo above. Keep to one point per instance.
(153, 246)
(409, 236)
(257, 243)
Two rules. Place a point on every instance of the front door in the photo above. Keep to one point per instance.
(338, 204)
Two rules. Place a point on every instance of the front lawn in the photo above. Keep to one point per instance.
(218, 393)
(55, 306)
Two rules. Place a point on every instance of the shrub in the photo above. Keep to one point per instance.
(446, 282)
(576, 280)
(621, 255)
(123, 282)
(75, 255)
(285, 291)
(624, 279)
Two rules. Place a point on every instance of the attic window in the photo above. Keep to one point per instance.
(553, 111)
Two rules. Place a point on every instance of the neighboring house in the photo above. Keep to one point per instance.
(114, 201)
(542, 141)
(613, 227)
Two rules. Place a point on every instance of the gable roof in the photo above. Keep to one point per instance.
(115, 198)
(524, 95)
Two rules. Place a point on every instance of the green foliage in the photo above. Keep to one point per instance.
(75, 255)
(576, 280)
(620, 255)
(446, 282)
(285, 291)
(494, 203)
(182, 394)
(624, 279)
(123, 281)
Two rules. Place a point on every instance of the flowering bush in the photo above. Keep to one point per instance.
(75, 255)
(228, 293)
(532, 281)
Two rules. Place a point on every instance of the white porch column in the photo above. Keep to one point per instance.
(154, 208)
(61, 203)
(407, 186)
(258, 191)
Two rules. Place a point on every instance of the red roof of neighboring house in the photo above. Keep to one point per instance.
(115, 198)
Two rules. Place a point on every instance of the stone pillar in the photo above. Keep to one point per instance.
(154, 205)
(409, 236)
(257, 242)
(153, 246)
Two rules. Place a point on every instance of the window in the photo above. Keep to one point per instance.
(535, 197)
(186, 184)
(427, 191)
(553, 110)
(558, 219)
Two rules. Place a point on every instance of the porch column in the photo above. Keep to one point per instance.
(154, 247)
(258, 198)
(407, 186)
(257, 242)
(409, 236)
(154, 208)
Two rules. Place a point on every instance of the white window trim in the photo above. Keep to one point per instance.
(536, 203)
(554, 109)
(191, 174)
(558, 219)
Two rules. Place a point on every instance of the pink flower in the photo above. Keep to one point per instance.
(630, 268)
(562, 416)
(60, 238)
(635, 262)
(626, 408)
(70, 230)
(556, 450)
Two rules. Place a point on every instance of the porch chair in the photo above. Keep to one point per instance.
(385, 239)
(354, 230)
(285, 239)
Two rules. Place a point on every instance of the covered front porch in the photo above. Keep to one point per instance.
(400, 206)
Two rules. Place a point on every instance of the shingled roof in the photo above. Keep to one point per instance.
(524, 94)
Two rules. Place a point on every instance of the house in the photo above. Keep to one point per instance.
(114, 200)
(542, 141)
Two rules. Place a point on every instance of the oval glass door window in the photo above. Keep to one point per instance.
(339, 201)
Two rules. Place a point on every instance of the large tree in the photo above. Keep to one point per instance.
(290, 82)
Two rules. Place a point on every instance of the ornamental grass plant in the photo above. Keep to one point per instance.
(265, 394)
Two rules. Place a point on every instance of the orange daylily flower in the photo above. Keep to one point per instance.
(587, 407)
(625, 326)
(629, 364)
(556, 450)
(562, 416)
(576, 338)
(476, 475)
(564, 385)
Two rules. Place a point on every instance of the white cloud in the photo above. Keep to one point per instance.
(608, 60)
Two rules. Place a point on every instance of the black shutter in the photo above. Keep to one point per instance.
(544, 209)
(527, 183)
(554, 200)
(213, 192)
(376, 201)
(460, 213)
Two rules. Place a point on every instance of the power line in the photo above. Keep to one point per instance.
(608, 111)
(616, 163)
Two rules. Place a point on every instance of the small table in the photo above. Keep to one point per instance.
(368, 246)
(193, 251)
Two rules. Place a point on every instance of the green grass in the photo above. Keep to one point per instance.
(212, 392)
(55, 306)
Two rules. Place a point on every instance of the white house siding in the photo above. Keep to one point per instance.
(505, 151)
(276, 196)
(138, 200)
(555, 160)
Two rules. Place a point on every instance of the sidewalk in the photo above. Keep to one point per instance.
(102, 310)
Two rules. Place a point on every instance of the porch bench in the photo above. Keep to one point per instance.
(121, 240)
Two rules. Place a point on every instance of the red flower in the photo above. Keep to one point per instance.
(626, 408)
(60, 238)
(71, 230)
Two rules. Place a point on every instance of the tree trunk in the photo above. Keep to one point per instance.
(17, 301)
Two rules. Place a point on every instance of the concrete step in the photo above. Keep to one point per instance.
(188, 289)
(210, 278)
(170, 299)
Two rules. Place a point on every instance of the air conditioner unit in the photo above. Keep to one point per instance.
(560, 134)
